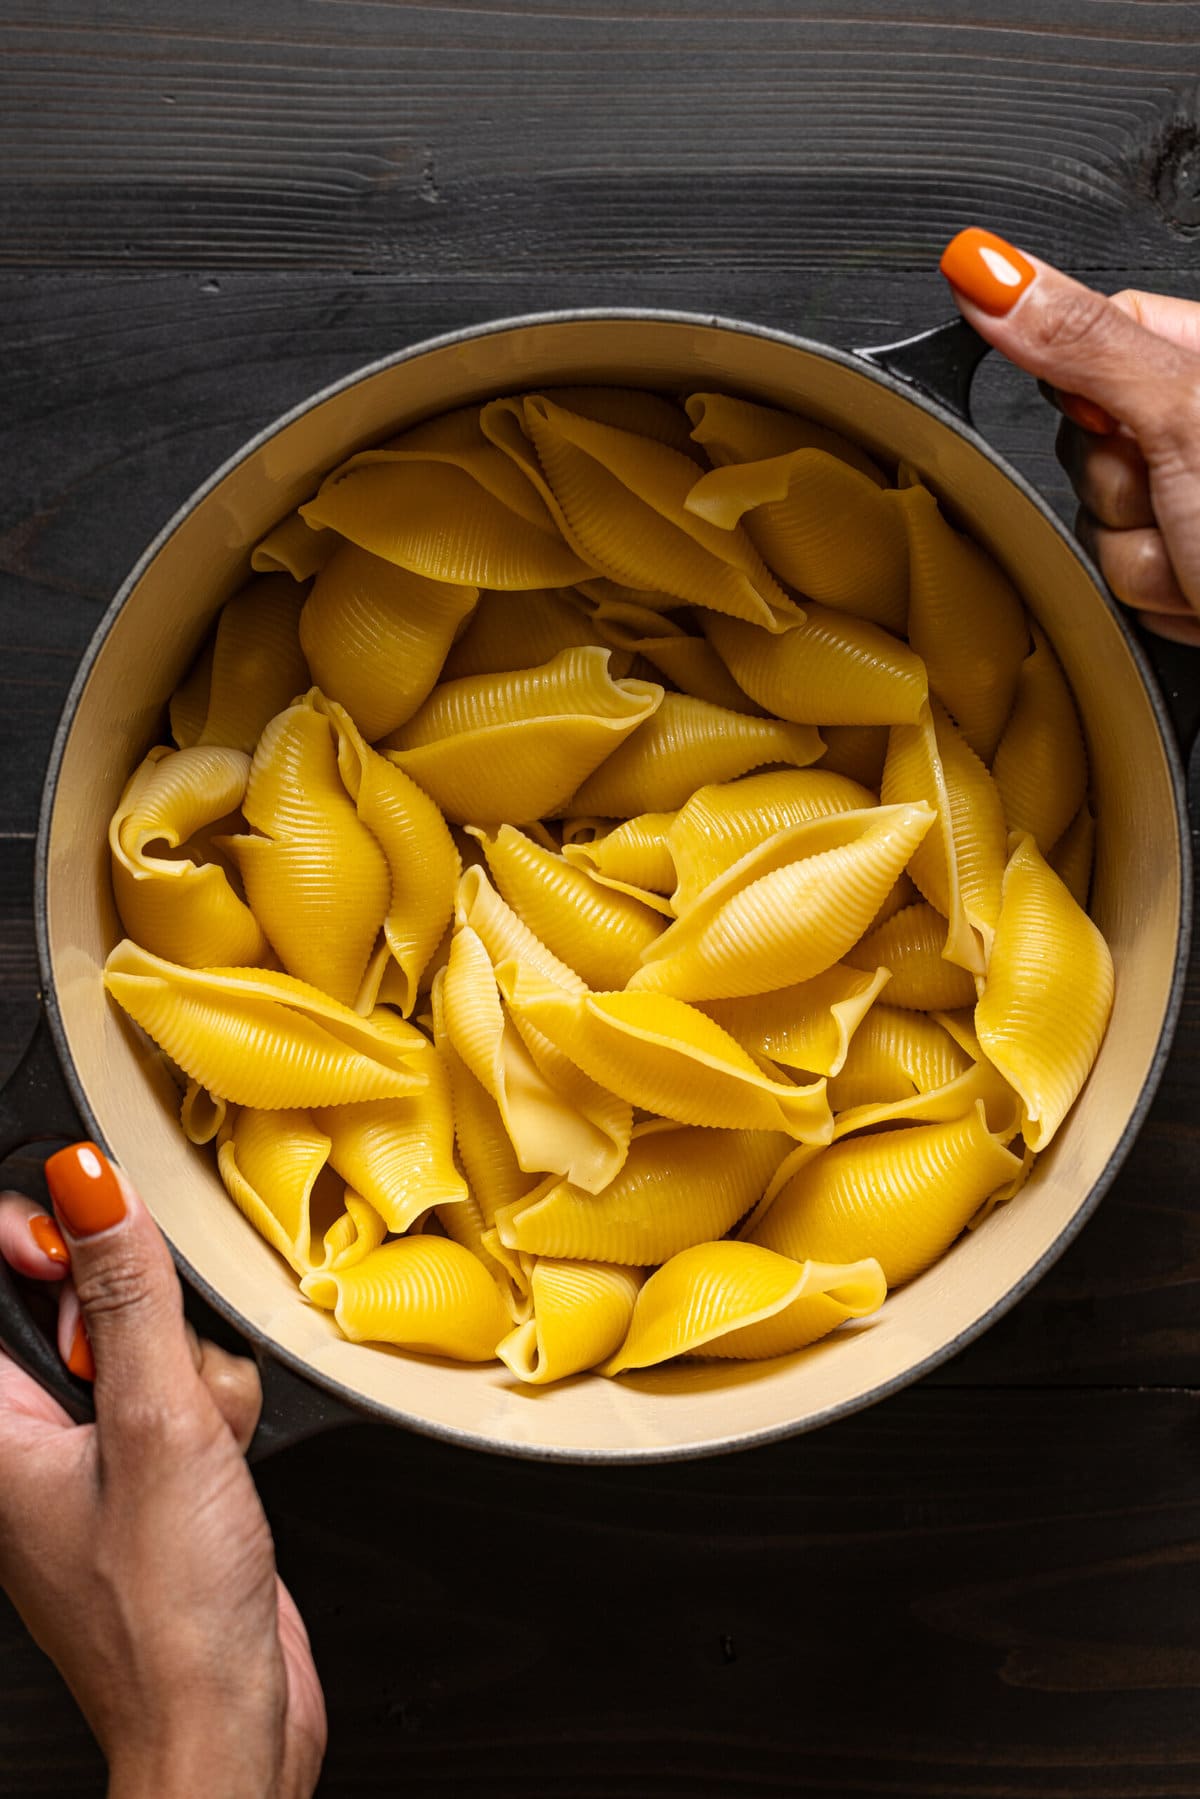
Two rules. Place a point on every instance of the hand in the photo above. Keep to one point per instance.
(135, 1548)
(1126, 372)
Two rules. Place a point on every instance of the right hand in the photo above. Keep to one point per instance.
(135, 1548)
(1135, 357)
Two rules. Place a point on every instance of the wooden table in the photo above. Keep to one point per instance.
(989, 1585)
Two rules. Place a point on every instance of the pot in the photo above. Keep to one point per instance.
(904, 401)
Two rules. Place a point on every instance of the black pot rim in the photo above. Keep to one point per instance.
(373, 1409)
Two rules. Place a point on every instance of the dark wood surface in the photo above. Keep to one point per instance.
(990, 1585)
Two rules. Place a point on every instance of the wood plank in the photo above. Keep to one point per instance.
(427, 141)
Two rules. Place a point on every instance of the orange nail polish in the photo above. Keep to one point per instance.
(49, 1238)
(986, 270)
(1088, 415)
(81, 1361)
(84, 1189)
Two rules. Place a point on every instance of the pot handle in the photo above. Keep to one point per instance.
(941, 363)
(36, 1106)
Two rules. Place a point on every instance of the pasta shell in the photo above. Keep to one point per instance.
(820, 525)
(315, 877)
(376, 636)
(664, 1056)
(789, 909)
(423, 864)
(910, 945)
(1071, 857)
(181, 908)
(858, 751)
(559, 1119)
(581, 1313)
(294, 548)
(680, 1185)
(424, 1294)
(960, 864)
(521, 630)
(516, 746)
(900, 1196)
(201, 1114)
(633, 857)
(631, 409)
(965, 621)
(261, 1039)
(689, 662)
(599, 933)
(618, 499)
(834, 669)
(1049, 992)
(1040, 766)
(720, 824)
(399, 1153)
(273, 1164)
(903, 894)
(809, 1025)
(737, 1300)
(895, 1055)
(256, 669)
(684, 744)
(504, 935)
(733, 430)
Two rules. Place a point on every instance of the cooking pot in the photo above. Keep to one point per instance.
(903, 401)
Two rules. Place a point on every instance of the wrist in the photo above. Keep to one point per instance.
(205, 1755)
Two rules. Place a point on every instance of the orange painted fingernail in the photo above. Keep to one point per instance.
(84, 1189)
(49, 1238)
(81, 1361)
(986, 270)
(1088, 415)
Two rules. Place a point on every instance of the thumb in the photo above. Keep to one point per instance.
(1073, 337)
(127, 1286)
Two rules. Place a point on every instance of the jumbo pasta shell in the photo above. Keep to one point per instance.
(833, 669)
(910, 945)
(424, 1294)
(1040, 765)
(253, 668)
(581, 1313)
(722, 823)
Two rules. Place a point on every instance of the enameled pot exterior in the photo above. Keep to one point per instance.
(115, 712)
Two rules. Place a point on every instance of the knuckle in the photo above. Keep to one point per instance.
(120, 1284)
(1075, 317)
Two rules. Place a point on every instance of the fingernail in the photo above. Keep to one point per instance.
(1088, 415)
(986, 270)
(84, 1189)
(49, 1238)
(81, 1361)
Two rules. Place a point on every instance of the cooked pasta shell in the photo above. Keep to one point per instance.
(894, 1055)
(256, 669)
(274, 1166)
(809, 1025)
(618, 499)
(1040, 764)
(680, 1185)
(820, 524)
(315, 876)
(424, 1294)
(834, 669)
(738, 1300)
(1048, 995)
(664, 1056)
(376, 636)
(599, 933)
(581, 1313)
(504, 935)
(261, 1039)
(965, 621)
(423, 864)
(182, 908)
(560, 1119)
(633, 857)
(720, 824)
(959, 865)
(789, 909)
(900, 1196)
(399, 1153)
(201, 1113)
(685, 744)
(631, 409)
(903, 894)
(687, 660)
(732, 430)
(910, 944)
(858, 751)
(294, 548)
(1071, 857)
(522, 630)
(516, 746)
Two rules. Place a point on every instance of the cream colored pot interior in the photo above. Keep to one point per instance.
(671, 1412)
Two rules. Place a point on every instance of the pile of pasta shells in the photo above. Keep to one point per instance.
(616, 890)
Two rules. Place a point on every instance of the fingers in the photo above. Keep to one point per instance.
(1136, 566)
(1109, 476)
(128, 1293)
(1178, 320)
(1179, 630)
(234, 1387)
(1077, 339)
(30, 1241)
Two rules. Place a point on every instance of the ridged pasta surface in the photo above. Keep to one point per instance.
(425, 1294)
(581, 1314)
(1040, 766)
(831, 669)
(910, 945)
